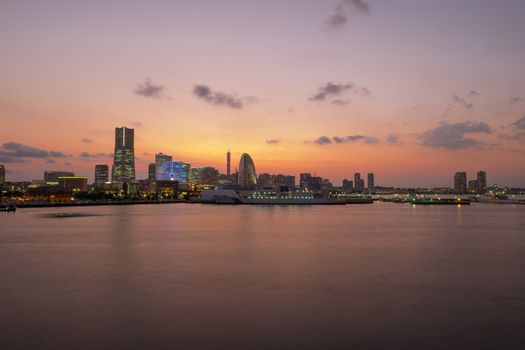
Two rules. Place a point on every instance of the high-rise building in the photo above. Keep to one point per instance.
(123, 169)
(370, 180)
(304, 179)
(247, 176)
(53, 175)
(228, 163)
(101, 174)
(174, 171)
(359, 184)
(162, 158)
(460, 182)
(2, 174)
(482, 180)
(152, 172)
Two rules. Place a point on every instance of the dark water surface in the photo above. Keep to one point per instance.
(182, 276)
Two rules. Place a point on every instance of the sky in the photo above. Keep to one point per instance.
(412, 90)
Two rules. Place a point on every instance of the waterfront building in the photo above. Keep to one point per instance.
(101, 174)
(473, 186)
(205, 176)
(152, 172)
(348, 185)
(73, 183)
(264, 180)
(289, 180)
(51, 176)
(123, 169)
(173, 171)
(370, 181)
(2, 174)
(161, 158)
(359, 184)
(460, 182)
(482, 180)
(304, 178)
(228, 163)
(247, 176)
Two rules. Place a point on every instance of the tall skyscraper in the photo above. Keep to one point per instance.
(124, 157)
(482, 180)
(370, 180)
(359, 184)
(247, 175)
(160, 159)
(101, 174)
(228, 163)
(2, 174)
(152, 172)
(460, 182)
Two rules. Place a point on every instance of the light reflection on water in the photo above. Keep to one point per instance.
(196, 276)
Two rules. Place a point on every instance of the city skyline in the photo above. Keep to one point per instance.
(164, 168)
(330, 88)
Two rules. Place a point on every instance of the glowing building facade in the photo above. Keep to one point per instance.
(124, 157)
(174, 171)
(247, 176)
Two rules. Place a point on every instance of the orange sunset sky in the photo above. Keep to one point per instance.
(412, 90)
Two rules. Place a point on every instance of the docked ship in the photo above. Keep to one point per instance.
(497, 199)
(284, 196)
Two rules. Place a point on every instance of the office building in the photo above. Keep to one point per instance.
(2, 174)
(52, 176)
(247, 176)
(73, 183)
(304, 179)
(370, 181)
(173, 171)
(482, 180)
(348, 185)
(161, 158)
(101, 174)
(460, 182)
(473, 186)
(123, 169)
(359, 184)
(152, 172)
(205, 176)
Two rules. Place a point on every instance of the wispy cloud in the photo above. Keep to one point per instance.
(331, 90)
(216, 97)
(149, 89)
(87, 155)
(325, 140)
(339, 18)
(514, 100)
(86, 140)
(392, 139)
(453, 136)
(273, 141)
(15, 149)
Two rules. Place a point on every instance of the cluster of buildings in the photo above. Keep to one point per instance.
(477, 185)
(168, 177)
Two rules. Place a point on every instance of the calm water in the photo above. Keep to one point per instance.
(223, 277)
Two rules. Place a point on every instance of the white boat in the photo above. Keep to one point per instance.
(497, 199)
(283, 196)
